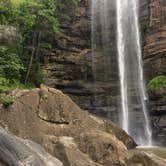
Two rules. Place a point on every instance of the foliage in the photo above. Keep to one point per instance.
(44, 97)
(144, 29)
(157, 82)
(7, 101)
(17, 2)
(10, 63)
(7, 85)
(35, 20)
(38, 75)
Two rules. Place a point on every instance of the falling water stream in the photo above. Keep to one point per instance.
(131, 70)
(134, 115)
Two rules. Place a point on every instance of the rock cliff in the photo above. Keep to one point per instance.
(154, 44)
(155, 62)
(70, 68)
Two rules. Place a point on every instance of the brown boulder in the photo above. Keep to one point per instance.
(15, 151)
(49, 117)
(102, 147)
(145, 159)
(120, 134)
(67, 151)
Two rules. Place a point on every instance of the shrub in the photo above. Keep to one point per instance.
(157, 82)
(7, 85)
(10, 63)
(7, 101)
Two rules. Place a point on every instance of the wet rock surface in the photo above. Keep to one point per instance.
(158, 114)
(15, 151)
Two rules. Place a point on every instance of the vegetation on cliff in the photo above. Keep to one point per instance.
(35, 20)
(157, 82)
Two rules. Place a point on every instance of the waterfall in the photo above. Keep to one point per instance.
(131, 71)
(101, 42)
(134, 115)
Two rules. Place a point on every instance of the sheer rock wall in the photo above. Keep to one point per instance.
(69, 66)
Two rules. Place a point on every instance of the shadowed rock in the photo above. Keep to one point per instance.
(15, 151)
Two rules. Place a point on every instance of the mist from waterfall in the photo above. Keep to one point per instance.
(134, 115)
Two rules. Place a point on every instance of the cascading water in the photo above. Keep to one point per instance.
(131, 71)
(134, 112)
(104, 59)
(101, 37)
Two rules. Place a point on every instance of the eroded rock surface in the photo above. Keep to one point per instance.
(145, 159)
(15, 151)
(51, 119)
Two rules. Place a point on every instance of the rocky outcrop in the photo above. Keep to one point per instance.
(51, 119)
(15, 151)
(145, 159)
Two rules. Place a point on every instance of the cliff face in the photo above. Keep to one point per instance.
(154, 44)
(154, 49)
(69, 66)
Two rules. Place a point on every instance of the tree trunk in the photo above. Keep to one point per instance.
(31, 59)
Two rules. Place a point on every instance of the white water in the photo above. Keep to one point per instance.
(134, 116)
(131, 70)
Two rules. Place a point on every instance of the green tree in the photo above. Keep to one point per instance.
(10, 63)
(35, 19)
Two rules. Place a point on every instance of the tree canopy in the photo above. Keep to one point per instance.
(33, 20)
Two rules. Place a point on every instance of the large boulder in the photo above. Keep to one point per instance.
(102, 147)
(53, 120)
(73, 136)
(145, 159)
(15, 151)
(66, 149)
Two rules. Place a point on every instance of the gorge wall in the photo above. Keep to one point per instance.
(69, 66)
(154, 43)
(154, 48)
